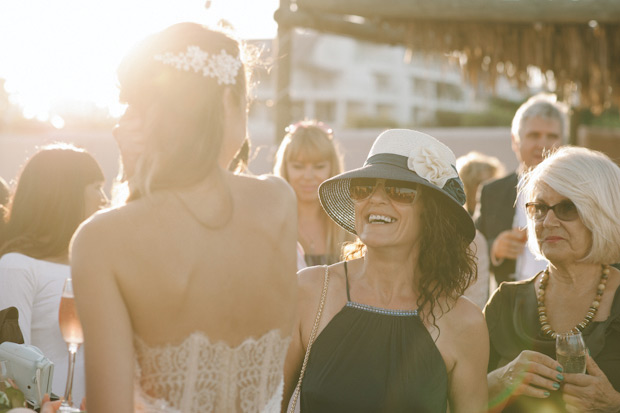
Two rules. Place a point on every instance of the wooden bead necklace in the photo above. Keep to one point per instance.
(542, 310)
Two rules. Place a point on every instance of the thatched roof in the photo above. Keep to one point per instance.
(575, 43)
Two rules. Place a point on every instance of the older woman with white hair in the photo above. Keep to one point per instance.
(573, 207)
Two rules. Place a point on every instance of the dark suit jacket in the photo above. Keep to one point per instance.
(497, 213)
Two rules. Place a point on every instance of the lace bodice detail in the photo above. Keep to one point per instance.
(200, 376)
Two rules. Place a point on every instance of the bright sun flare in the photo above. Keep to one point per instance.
(57, 55)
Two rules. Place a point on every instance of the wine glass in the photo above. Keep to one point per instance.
(571, 352)
(71, 330)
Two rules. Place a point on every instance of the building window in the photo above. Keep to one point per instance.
(449, 92)
(298, 111)
(325, 111)
(385, 111)
(382, 82)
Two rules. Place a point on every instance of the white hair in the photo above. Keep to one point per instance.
(543, 105)
(592, 182)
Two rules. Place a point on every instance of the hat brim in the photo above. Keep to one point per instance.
(336, 200)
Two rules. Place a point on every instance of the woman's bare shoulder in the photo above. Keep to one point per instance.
(112, 224)
(311, 281)
(267, 196)
(465, 319)
(269, 187)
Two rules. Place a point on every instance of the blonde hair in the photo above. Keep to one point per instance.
(590, 180)
(474, 169)
(312, 141)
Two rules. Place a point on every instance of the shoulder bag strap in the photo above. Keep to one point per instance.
(317, 320)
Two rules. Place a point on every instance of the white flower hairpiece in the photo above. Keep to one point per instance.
(222, 66)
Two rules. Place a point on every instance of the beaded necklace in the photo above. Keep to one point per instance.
(542, 310)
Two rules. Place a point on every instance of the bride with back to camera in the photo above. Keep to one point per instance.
(186, 293)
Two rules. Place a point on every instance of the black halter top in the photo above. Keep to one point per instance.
(370, 359)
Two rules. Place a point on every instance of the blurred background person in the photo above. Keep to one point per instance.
(475, 169)
(306, 157)
(59, 187)
(573, 206)
(5, 193)
(540, 124)
(194, 276)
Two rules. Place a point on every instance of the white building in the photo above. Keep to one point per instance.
(349, 83)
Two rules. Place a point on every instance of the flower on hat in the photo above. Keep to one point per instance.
(428, 163)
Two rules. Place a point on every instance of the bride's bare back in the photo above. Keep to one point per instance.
(154, 274)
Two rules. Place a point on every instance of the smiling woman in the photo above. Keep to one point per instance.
(396, 314)
(58, 55)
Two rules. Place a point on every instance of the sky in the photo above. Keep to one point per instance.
(54, 52)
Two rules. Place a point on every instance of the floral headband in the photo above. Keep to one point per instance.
(222, 66)
(303, 124)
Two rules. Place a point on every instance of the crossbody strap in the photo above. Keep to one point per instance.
(315, 328)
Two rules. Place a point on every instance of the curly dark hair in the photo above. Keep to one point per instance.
(447, 262)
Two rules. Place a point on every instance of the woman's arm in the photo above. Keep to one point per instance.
(107, 327)
(467, 390)
(292, 366)
(310, 287)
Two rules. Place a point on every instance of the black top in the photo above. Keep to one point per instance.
(512, 318)
(497, 211)
(370, 359)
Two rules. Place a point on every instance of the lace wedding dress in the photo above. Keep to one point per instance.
(200, 376)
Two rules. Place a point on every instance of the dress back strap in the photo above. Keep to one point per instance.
(346, 278)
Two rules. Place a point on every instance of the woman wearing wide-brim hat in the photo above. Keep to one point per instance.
(392, 332)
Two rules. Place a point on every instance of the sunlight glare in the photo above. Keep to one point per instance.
(54, 52)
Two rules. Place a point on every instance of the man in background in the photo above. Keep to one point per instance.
(540, 124)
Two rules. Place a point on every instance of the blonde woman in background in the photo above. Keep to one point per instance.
(475, 169)
(306, 157)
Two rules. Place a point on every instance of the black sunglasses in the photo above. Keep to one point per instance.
(398, 191)
(564, 211)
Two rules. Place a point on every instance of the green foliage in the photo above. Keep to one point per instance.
(361, 122)
(10, 397)
(609, 118)
(499, 112)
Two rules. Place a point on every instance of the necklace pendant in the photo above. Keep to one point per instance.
(545, 327)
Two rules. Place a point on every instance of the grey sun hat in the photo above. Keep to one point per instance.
(403, 155)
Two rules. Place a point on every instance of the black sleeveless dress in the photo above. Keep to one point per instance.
(370, 359)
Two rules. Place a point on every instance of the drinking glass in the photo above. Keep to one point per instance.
(71, 330)
(571, 352)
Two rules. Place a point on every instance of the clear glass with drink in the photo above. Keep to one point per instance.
(571, 352)
(71, 330)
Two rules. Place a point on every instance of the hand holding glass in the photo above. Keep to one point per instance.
(71, 330)
(571, 352)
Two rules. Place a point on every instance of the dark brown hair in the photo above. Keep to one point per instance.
(182, 111)
(446, 260)
(48, 204)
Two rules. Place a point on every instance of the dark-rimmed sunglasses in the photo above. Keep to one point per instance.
(564, 211)
(399, 191)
